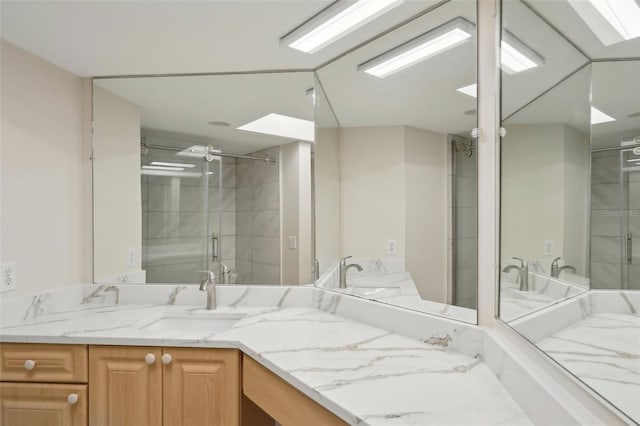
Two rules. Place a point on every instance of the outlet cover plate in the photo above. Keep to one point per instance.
(8, 277)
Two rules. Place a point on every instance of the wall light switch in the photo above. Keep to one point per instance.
(131, 257)
(391, 247)
(8, 277)
(548, 248)
(292, 242)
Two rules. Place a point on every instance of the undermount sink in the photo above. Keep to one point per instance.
(371, 291)
(207, 322)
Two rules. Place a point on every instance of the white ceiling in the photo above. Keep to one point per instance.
(107, 38)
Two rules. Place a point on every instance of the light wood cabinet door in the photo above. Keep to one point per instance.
(201, 387)
(38, 404)
(125, 386)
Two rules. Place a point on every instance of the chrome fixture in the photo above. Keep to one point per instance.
(227, 274)
(316, 269)
(523, 273)
(556, 270)
(209, 285)
(343, 270)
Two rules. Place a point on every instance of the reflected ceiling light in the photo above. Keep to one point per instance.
(335, 22)
(429, 44)
(198, 151)
(515, 56)
(174, 169)
(612, 21)
(175, 173)
(282, 125)
(598, 116)
(470, 90)
(161, 163)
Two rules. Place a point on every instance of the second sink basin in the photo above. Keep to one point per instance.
(206, 322)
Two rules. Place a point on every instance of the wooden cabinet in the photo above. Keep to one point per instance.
(43, 385)
(281, 401)
(142, 386)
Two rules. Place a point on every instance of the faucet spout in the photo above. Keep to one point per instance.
(523, 273)
(209, 285)
(344, 268)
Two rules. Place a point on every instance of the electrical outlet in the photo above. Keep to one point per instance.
(391, 247)
(131, 257)
(293, 243)
(548, 248)
(8, 277)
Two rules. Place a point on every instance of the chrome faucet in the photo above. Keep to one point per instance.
(343, 270)
(209, 285)
(556, 270)
(523, 273)
(227, 273)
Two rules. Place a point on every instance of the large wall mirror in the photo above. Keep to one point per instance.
(276, 178)
(395, 166)
(570, 188)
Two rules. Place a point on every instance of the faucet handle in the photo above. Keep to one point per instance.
(556, 260)
(344, 259)
(210, 276)
(523, 263)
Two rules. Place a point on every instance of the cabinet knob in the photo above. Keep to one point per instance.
(149, 358)
(29, 364)
(72, 398)
(166, 359)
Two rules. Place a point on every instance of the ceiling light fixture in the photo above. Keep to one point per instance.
(429, 44)
(171, 169)
(282, 125)
(515, 56)
(161, 163)
(335, 22)
(470, 90)
(598, 116)
(612, 21)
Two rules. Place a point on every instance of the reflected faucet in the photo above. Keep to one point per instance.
(343, 270)
(227, 273)
(209, 285)
(556, 270)
(523, 273)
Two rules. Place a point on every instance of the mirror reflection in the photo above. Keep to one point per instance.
(570, 164)
(200, 173)
(395, 166)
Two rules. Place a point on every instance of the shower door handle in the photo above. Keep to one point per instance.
(629, 248)
(214, 246)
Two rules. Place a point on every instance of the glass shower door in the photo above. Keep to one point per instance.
(179, 216)
(630, 194)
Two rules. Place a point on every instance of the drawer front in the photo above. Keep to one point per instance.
(30, 362)
(31, 404)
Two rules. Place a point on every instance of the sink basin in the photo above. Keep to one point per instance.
(370, 291)
(205, 322)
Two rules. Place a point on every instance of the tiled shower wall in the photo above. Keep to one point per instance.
(258, 219)
(464, 237)
(607, 214)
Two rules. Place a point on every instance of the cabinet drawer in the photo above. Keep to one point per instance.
(30, 362)
(30, 404)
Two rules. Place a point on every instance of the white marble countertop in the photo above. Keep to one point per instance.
(363, 374)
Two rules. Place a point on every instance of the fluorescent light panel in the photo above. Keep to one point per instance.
(598, 117)
(335, 22)
(282, 125)
(161, 163)
(436, 41)
(515, 56)
(470, 90)
(175, 173)
(612, 21)
(179, 169)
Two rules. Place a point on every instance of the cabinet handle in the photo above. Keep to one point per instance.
(29, 364)
(149, 358)
(166, 359)
(72, 398)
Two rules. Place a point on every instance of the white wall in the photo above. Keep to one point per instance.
(426, 211)
(327, 196)
(117, 189)
(295, 212)
(372, 190)
(45, 167)
(555, 157)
